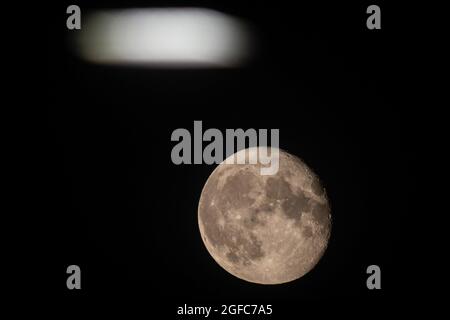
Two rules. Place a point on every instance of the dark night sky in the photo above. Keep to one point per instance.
(127, 215)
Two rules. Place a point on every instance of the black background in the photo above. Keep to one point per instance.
(128, 216)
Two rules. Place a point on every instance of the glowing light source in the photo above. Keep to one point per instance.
(164, 37)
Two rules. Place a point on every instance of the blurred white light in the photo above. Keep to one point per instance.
(163, 37)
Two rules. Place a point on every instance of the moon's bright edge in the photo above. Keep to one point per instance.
(265, 229)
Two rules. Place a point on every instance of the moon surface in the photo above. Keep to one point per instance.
(266, 229)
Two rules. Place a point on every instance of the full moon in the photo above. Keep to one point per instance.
(266, 229)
